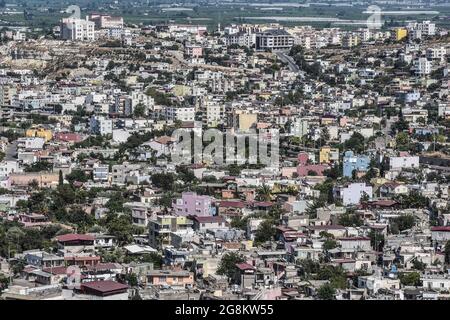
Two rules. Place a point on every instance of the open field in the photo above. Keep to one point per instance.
(45, 14)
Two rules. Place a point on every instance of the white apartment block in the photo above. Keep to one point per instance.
(422, 66)
(274, 39)
(424, 28)
(180, 113)
(101, 125)
(242, 39)
(415, 114)
(138, 97)
(403, 162)
(299, 127)
(214, 114)
(77, 29)
(436, 53)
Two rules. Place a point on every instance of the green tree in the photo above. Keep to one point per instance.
(187, 175)
(4, 282)
(139, 111)
(410, 279)
(227, 265)
(234, 170)
(239, 223)
(265, 232)
(419, 265)
(326, 292)
(165, 181)
(115, 203)
(264, 193)
(79, 217)
(324, 136)
(376, 240)
(355, 143)
(329, 244)
(350, 220)
(412, 200)
(39, 166)
(131, 279)
(402, 223)
(311, 209)
(60, 178)
(121, 227)
(34, 184)
(77, 175)
(154, 258)
(402, 141)
(166, 200)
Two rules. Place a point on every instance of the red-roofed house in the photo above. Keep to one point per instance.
(393, 188)
(75, 243)
(245, 275)
(231, 207)
(203, 223)
(82, 260)
(68, 137)
(440, 234)
(105, 290)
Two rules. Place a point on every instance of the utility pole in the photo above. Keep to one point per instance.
(9, 265)
(434, 144)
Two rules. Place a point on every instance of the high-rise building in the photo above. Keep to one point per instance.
(422, 66)
(419, 29)
(274, 39)
(77, 29)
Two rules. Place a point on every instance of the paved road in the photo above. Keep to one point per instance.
(11, 151)
(289, 60)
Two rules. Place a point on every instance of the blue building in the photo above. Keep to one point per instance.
(352, 162)
(426, 131)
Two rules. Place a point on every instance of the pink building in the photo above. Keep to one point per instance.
(302, 158)
(303, 167)
(302, 171)
(288, 171)
(194, 204)
(68, 137)
(343, 121)
(194, 51)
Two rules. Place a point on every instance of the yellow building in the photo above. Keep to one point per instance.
(400, 33)
(162, 228)
(328, 154)
(327, 120)
(350, 41)
(265, 95)
(40, 133)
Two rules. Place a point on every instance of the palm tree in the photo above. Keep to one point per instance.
(264, 193)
